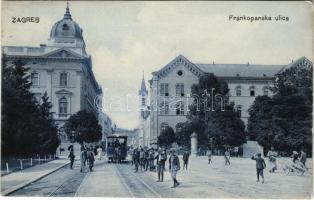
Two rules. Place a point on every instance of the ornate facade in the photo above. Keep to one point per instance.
(63, 69)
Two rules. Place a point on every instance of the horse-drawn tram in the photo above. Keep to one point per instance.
(117, 148)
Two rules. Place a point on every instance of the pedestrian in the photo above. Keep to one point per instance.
(151, 159)
(303, 157)
(85, 155)
(72, 157)
(161, 160)
(91, 159)
(142, 159)
(209, 154)
(227, 157)
(83, 158)
(133, 157)
(174, 167)
(146, 158)
(186, 156)
(272, 160)
(295, 156)
(136, 159)
(260, 166)
(99, 152)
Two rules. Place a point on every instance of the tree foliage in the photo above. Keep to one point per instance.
(285, 119)
(83, 127)
(27, 127)
(183, 134)
(212, 116)
(167, 137)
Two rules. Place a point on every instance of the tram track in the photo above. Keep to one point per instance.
(135, 185)
(62, 183)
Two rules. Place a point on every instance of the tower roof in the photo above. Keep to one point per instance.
(66, 27)
(143, 87)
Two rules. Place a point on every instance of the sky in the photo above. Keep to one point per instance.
(130, 39)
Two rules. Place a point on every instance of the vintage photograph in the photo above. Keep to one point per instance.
(145, 99)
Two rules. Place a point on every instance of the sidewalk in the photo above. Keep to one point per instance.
(20, 179)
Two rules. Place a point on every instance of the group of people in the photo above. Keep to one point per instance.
(145, 159)
(298, 162)
(87, 157)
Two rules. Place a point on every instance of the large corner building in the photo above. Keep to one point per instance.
(170, 89)
(63, 69)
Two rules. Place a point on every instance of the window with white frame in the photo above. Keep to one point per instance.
(63, 107)
(63, 79)
(180, 89)
(164, 89)
(164, 108)
(180, 108)
(238, 91)
(34, 79)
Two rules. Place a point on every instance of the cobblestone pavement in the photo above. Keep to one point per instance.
(201, 180)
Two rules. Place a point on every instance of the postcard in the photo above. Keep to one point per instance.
(157, 99)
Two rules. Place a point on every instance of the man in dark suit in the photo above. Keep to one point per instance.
(174, 166)
(186, 156)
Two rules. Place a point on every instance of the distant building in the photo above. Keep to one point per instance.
(63, 69)
(170, 89)
(144, 125)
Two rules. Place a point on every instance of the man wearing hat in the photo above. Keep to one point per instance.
(174, 166)
(161, 159)
(260, 166)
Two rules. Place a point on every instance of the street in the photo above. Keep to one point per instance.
(200, 181)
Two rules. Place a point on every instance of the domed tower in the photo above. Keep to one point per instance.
(66, 33)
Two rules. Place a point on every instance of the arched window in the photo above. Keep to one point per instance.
(63, 107)
(239, 110)
(164, 108)
(238, 91)
(180, 108)
(252, 91)
(163, 126)
(265, 91)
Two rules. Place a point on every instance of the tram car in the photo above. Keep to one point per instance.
(117, 148)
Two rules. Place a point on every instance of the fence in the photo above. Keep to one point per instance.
(9, 165)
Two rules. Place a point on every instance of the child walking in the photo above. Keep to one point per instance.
(260, 166)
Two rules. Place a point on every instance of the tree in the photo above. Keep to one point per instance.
(83, 127)
(25, 127)
(212, 116)
(49, 140)
(18, 106)
(260, 121)
(167, 137)
(183, 134)
(285, 120)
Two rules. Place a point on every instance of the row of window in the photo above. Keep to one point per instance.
(164, 125)
(179, 88)
(164, 108)
(164, 89)
(63, 79)
(252, 91)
